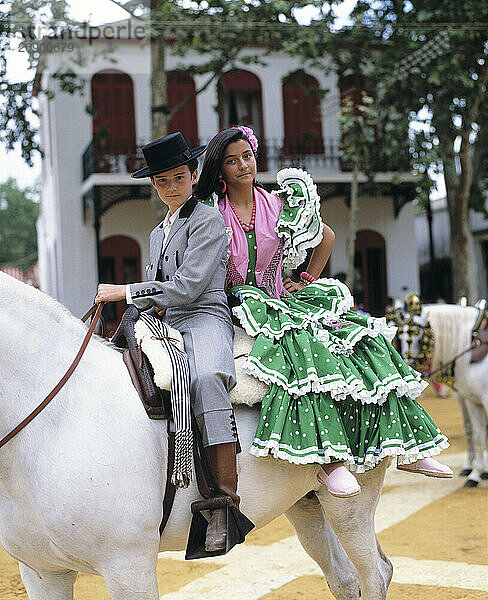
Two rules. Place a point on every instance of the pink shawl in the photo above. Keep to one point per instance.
(269, 254)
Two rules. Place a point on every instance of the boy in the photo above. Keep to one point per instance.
(188, 253)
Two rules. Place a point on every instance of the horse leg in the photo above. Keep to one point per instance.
(353, 522)
(321, 544)
(47, 585)
(477, 415)
(132, 578)
(468, 430)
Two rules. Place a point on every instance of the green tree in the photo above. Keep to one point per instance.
(18, 215)
(218, 30)
(432, 68)
(358, 127)
(19, 22)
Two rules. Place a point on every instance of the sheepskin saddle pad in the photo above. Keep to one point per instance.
(248, 390)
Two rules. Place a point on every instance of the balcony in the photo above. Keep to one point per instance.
(318, 156)
(105, 156)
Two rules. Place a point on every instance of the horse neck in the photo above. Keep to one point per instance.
(38, 341)
(452, 327)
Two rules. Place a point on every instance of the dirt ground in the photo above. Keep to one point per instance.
(447, 529)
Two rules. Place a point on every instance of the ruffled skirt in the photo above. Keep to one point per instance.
(338, 390)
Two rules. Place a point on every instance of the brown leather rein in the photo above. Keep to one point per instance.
(66, 376)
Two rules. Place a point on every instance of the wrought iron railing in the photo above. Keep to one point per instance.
(103, 155)
(106, 156)
(316, 155)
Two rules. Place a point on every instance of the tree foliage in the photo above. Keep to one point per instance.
(19, 23)
(18, 215)
(428, 62)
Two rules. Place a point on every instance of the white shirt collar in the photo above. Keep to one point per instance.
(170, 219)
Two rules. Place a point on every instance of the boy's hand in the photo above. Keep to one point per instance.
(109, 292)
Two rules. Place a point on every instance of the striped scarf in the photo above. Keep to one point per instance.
(180, 399)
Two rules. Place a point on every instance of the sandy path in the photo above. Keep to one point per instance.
(446, 531)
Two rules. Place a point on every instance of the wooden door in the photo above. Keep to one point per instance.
(120, 262)
(370, 267)
(114, 128)
(180, 87)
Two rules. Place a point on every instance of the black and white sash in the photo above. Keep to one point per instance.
(180, 400)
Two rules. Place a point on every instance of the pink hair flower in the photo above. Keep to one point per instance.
(249, 133)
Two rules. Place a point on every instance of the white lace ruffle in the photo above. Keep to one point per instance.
(405, 456)
(371, 460)
(318, 321)
(305, 230)
(379, 326)
(338, 388)
(279, 450)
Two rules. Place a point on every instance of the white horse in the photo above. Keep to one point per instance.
(452, 326)
(81, 487)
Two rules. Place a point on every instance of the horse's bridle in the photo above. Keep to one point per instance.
(475, 344)
(66, 376)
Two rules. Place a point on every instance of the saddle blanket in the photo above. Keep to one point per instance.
(248, 390)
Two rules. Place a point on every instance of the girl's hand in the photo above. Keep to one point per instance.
(291, 286)
(109, 292)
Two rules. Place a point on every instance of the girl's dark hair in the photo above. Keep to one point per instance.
(208, 183)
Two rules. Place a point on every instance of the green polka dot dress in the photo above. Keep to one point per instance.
(337, 389)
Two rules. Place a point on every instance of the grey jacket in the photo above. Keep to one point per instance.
(192, 266)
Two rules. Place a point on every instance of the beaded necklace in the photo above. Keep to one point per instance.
(246, 226)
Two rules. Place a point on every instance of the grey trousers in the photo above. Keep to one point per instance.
(209, 344)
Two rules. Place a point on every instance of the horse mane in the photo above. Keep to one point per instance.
(452, 326)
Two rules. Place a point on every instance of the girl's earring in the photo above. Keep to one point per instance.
(223, 184)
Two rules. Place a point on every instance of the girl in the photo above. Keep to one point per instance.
(339, 395)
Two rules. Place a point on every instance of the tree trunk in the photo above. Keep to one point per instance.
(353, 224)
(159, 89)
(465, 281)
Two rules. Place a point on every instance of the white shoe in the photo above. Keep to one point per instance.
(429, 467)
(340, 482)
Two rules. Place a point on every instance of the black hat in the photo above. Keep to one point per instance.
(165, 154)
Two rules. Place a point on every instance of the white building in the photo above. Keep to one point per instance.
(95, 219)
(441, 284)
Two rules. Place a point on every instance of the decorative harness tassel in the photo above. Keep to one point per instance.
(180, 400)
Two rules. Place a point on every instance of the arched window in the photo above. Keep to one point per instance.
(181, 86)
(302, 115)
(370, 271)
(114, 128)
(240, 101)
(120, 262)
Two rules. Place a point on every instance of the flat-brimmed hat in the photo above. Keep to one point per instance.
(166, 153)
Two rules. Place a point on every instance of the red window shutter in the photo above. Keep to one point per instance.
(114, 118)
(302, 115)
(180, 87)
